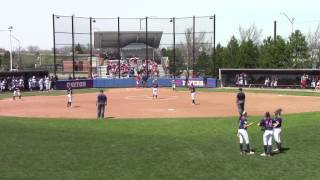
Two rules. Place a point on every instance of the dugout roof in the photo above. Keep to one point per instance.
(271, 71)
(109, 39)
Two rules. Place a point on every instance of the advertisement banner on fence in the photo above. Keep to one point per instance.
(196, 82)
(74, 84)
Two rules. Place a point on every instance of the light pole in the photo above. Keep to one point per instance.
(214, 41)
(173, 20)
(141, 19)
(291, 20)
(19, 43)
(10, 29)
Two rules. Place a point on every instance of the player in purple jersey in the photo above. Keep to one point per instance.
(267, 126)
(243, 134)
(277, 122)
(155, 86)
(173, 84)
(16, 92)
(192, 89)
(241, 97)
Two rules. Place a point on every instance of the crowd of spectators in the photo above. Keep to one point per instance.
(45, 83)
(131, 67)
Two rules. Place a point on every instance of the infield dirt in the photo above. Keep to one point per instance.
(138, 103)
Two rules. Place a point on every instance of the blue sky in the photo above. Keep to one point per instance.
(32, 19)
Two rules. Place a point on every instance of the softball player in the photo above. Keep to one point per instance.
(3, 85)
(16, 92)
(40, 84)
(243, 135)
(69, 99)
(241, 97)
(47, 84)
(267, 127)
(193, 93)
(277, 122)
(155, 86)
(173, 84)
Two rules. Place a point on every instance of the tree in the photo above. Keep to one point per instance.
(186, 48)
(299, 50)
(5, 60)
(249, 54)
(178, 60)
(78, 49)
(231, 55)
(314, 47)
(204, 63)
(33, 49)
(219, 58)
(252, 33)
(274, 54)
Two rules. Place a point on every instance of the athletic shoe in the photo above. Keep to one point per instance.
(263, 154)
(250, 153)
(276, 150)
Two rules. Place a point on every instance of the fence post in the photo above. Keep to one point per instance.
(73, 58)
(90, 47)
(54, 46)
(119, 55)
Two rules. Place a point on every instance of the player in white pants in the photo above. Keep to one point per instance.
(277, 122)
(192, 89)
(243, 134)
(155, 86)
(69, 99)
(173, 84)
(267, 125)
(16, 92)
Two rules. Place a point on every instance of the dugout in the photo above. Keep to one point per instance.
(287, 78)
(24, 74)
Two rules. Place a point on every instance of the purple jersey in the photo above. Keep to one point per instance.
(192, 89)
(266, 123)
(102, 99)
(155, 85)
(277, 120)
(242, 122)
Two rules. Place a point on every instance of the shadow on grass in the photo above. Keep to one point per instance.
(283, 151)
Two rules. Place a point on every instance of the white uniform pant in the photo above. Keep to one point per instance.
(155, 91)
(277, 135)
(193, 96)
(243, 136)
(267, 137)
(16, 93)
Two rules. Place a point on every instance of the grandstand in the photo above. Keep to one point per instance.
(133, 57)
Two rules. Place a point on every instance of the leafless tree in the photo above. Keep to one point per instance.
(251, 33)
(314, 46)
(201, 45)
(33, 49)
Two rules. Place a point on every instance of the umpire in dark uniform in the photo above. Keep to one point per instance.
(101, 104)
(241, 97)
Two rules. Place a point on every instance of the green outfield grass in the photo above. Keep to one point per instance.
(292, 92)
(199, 148)
(51, 93)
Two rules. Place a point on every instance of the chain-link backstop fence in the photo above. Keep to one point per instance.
(124, 47)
